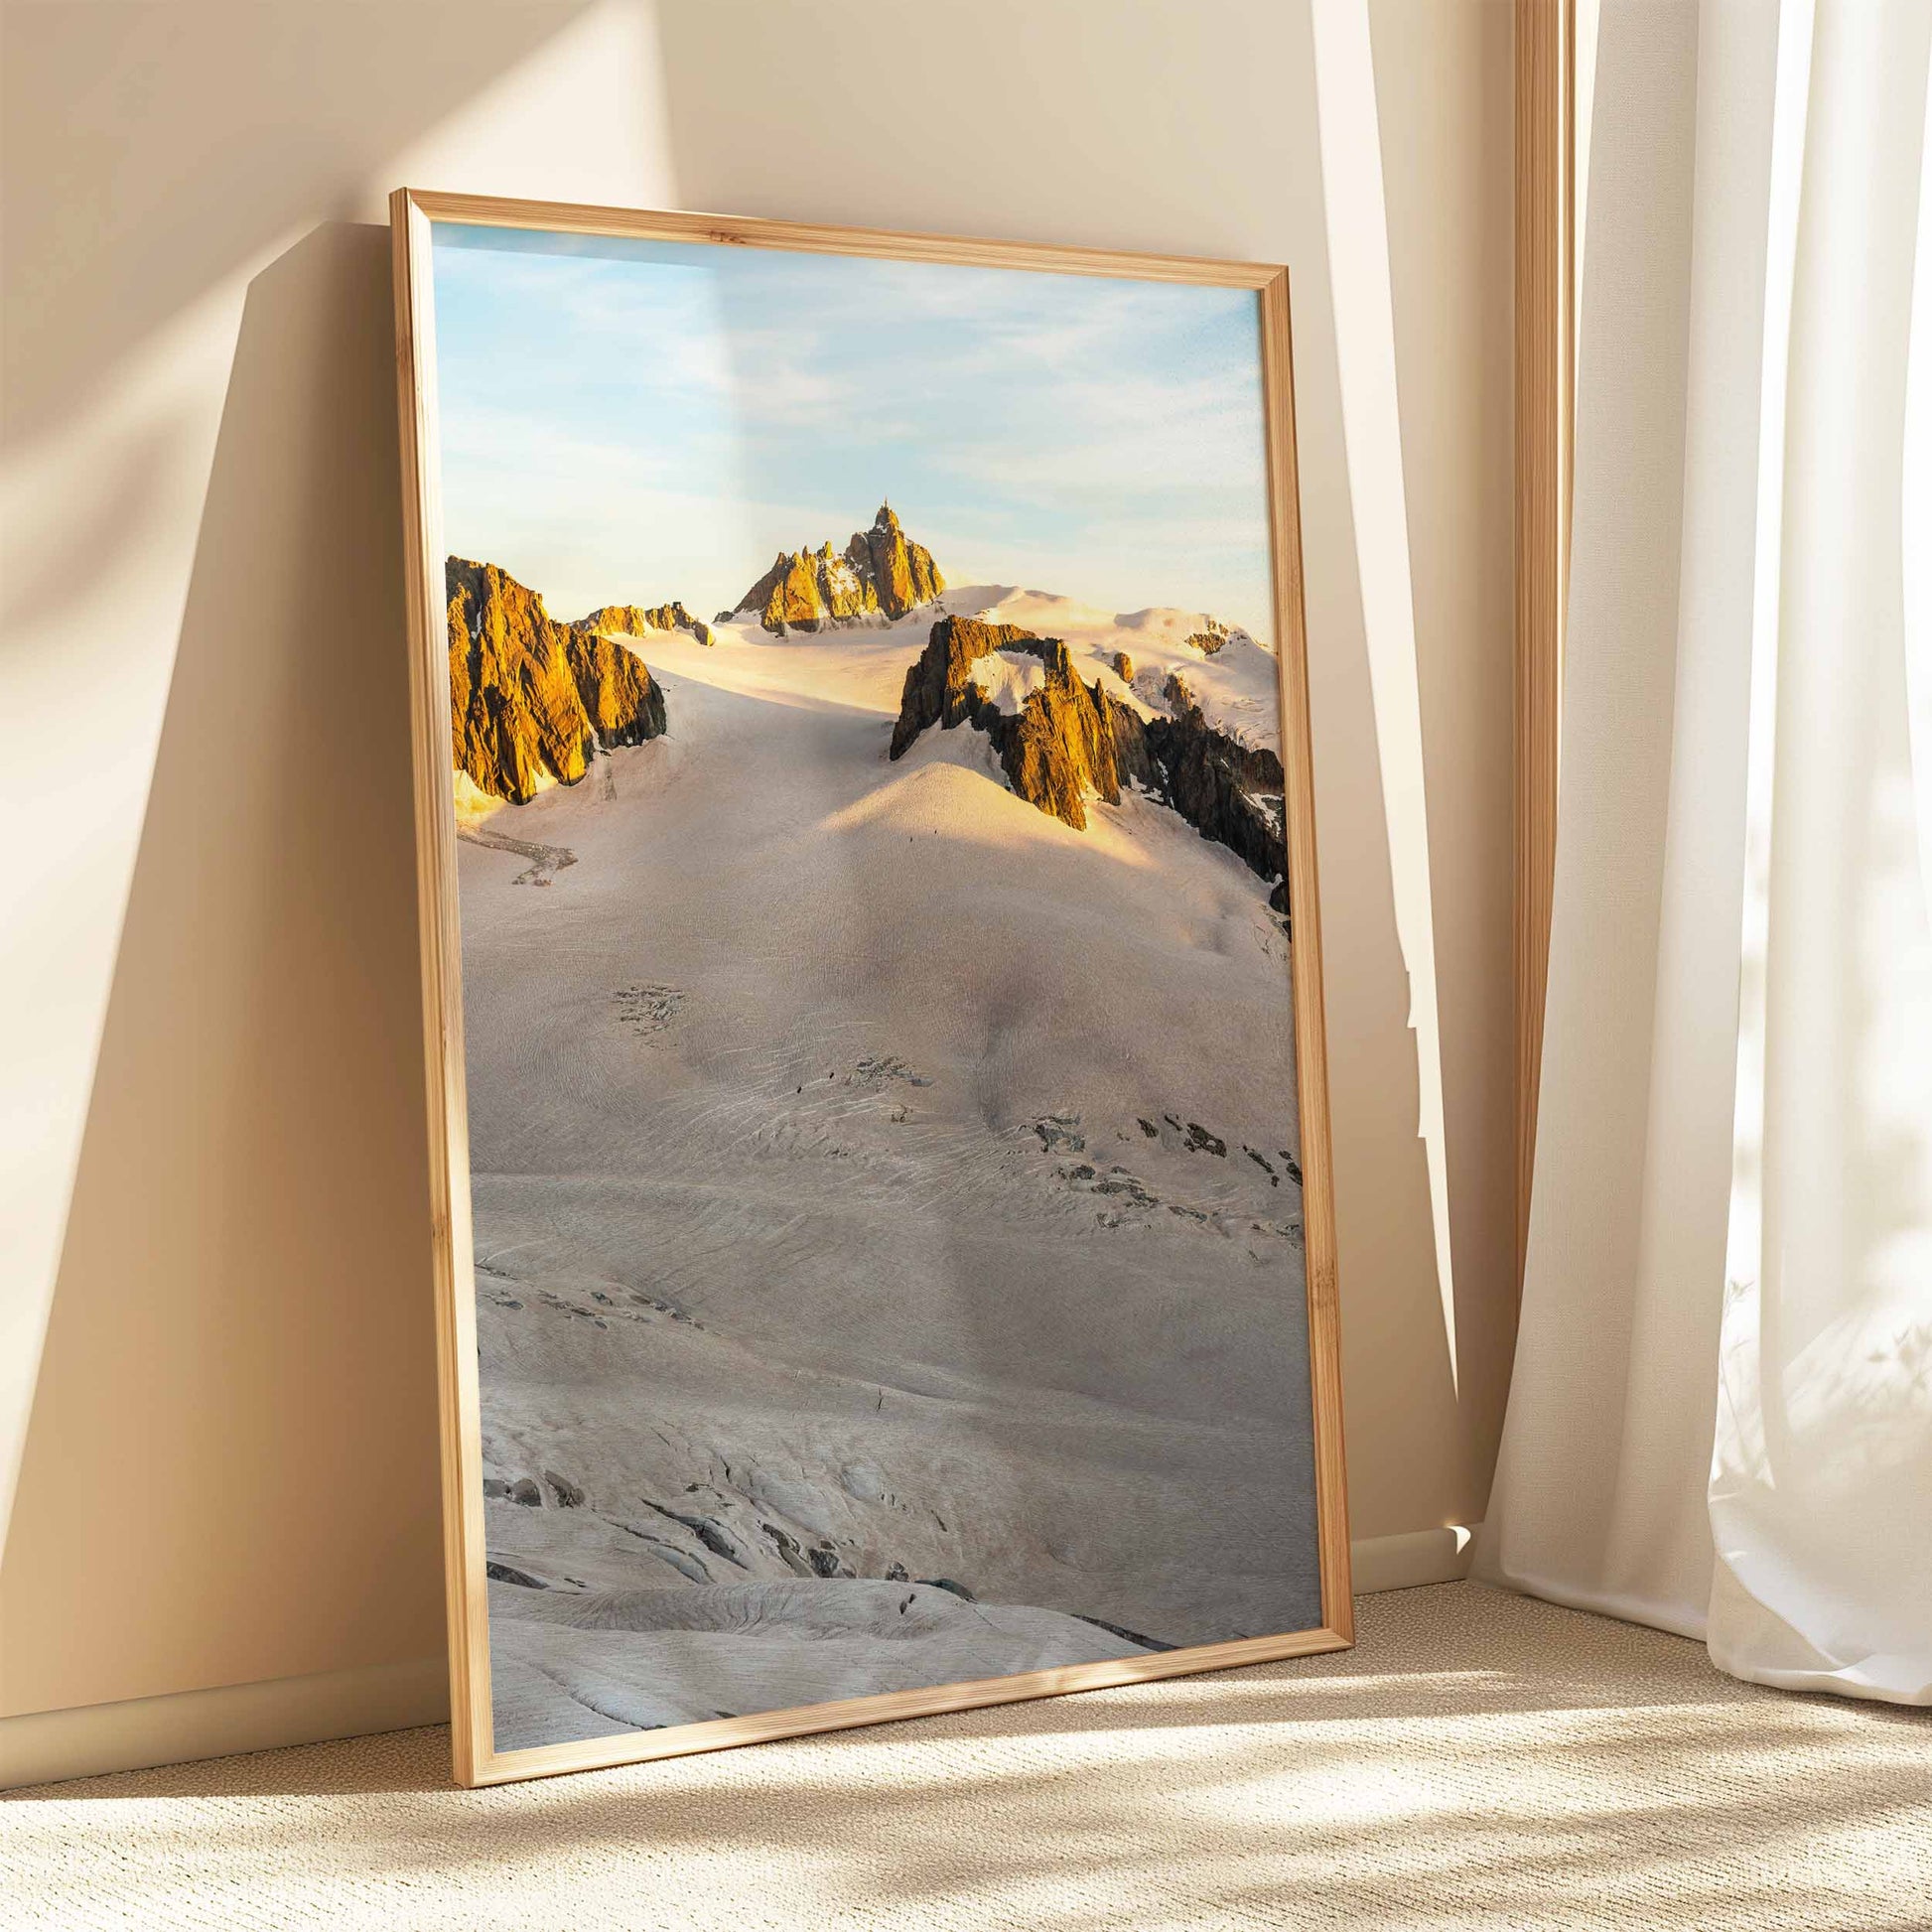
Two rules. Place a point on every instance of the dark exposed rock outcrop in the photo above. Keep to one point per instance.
(881, 572)
(632, 621)
(1068, 739)
(1228, 791)
(529, 695)
(1212, 636)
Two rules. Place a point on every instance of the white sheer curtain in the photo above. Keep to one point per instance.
(1720, 1421)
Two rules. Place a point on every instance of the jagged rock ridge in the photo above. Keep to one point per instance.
(1064, 742)
(1067, 739)
(629, 620)
(1228, 791)
(882, 572)
(1214, 636)
(529, 695)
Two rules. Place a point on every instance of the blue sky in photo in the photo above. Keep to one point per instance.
(628, 421)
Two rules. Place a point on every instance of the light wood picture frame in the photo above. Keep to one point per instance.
(650, 1305)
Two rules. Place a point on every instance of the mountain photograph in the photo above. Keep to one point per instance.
(884, 1166)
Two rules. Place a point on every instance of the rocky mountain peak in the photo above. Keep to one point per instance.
(529, 695)
(633, 621)
(882, 573)
(1067, 742)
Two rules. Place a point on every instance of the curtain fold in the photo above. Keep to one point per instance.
(1720, 1421)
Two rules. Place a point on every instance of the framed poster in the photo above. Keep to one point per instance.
(871, 962)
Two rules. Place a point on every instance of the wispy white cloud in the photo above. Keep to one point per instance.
(653, 404)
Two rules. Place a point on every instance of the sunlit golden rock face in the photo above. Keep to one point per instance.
(807, 589)
(1067, 742)
(1213, 636)
(529, 695)
(633, 621)
(1066, 739)
(902, 571)
(1063, 744)
(939, 687)
(882, 572)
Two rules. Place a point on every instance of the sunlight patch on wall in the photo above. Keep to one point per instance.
(1358, 254)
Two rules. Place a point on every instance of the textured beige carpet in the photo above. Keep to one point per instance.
(1477, 1760)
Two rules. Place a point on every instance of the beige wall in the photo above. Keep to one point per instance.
(214, 1327)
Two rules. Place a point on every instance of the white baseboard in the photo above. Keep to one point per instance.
(139, 1732)
(1407, 1561)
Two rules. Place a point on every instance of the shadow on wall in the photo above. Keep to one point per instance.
(152, 159)
(253, 117)
(237, 1394)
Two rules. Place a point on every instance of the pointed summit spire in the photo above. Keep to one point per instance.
(882, 573)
